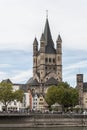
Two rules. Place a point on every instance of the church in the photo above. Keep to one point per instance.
(47, 61)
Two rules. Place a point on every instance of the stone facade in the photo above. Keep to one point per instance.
(47, 61)
(82, 88)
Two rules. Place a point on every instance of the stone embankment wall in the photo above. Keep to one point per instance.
(42, 120)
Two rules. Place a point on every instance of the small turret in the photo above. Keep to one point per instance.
(59, 39)
(42, 43)
(59, 45)
(35, 47)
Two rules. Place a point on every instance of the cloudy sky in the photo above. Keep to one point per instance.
(22, 20)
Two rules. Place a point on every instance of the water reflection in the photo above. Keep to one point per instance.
(67, 128)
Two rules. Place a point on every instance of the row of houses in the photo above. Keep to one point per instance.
(31, 101)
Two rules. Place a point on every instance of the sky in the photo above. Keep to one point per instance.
(23, 20)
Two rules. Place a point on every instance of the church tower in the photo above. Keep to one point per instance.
(47, 60)
(80, 88)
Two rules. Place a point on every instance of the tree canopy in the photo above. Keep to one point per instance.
(63, 94)
(7, 94)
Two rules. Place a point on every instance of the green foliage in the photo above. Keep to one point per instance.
(7, 95)
(18, 95)
(62, 94)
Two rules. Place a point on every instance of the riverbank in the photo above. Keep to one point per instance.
(42, 120)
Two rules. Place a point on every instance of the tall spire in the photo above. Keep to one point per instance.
(47, 34)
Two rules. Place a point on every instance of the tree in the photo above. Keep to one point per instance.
(62, 94)
(18, 95)
(7, 94)
(52, 95)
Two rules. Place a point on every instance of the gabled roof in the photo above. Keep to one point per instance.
(48, 39)
(51, 81)
(7, 81)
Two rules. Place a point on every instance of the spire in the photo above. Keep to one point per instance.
(47, 14)
(47, 34)
(59, 39)
(35, 41)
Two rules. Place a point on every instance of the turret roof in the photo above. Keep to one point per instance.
(59, 39)
(42, 37)
(35, 41)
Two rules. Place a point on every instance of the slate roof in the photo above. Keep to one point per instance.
(42, 38)
(85, 87)
(35, 41)
(59, 39)
(7, 81)
(24, 87)
(48, 40)
(51, 81)
(33, 82)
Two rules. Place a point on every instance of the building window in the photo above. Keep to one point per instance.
(14, 102)
(46, 68)
(54, 68)
(41, 99)
(49, 59)
(50, 68)
(46, 59)
(53, 60)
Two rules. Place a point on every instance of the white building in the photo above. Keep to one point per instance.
(35, 101)
(16, 105)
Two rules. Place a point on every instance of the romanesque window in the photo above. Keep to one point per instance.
(46, 59)
(46, 68)
(53, 60)
(49, 59)
(54, 68)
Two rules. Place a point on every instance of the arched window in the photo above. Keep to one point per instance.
(49, 59)
(46, 67)
(53, 60)
(46, 59)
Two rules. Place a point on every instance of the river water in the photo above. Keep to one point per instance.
(67, 128)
